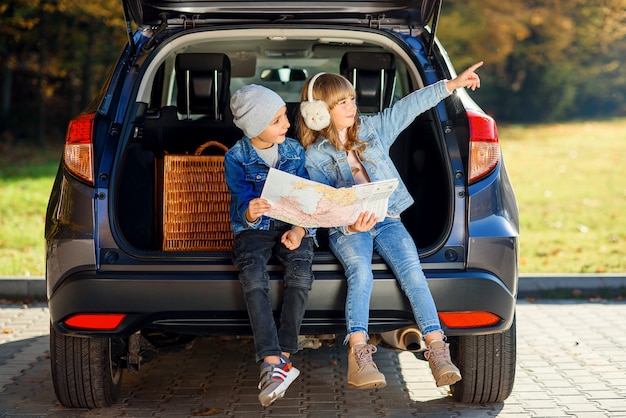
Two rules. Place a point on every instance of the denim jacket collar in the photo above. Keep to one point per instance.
(285, 150)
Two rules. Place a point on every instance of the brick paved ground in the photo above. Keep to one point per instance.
(571, 363)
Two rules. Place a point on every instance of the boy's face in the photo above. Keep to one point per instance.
(276, 131)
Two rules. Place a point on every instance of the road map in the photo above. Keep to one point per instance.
(310, 204)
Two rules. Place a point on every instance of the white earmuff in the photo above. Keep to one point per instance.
(315, 112)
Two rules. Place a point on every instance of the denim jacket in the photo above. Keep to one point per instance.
(328, 165)
(245, 175)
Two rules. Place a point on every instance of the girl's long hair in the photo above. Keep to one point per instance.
(330, 88)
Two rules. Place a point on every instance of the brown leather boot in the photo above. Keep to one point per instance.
(444, 371)
(362, 371)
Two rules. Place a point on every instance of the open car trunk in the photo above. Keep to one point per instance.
(182, 102)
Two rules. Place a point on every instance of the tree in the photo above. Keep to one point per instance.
(58, 52)
(17, 17)
(545, 60)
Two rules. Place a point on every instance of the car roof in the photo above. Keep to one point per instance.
(413, 13)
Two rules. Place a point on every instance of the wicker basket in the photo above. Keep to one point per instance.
(196, 202)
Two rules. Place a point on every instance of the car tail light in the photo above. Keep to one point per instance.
(484, 145)
(95, 321)
(78, 151)
(469, 319)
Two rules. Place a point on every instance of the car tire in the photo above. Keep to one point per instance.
(487, 364)
(84, 374)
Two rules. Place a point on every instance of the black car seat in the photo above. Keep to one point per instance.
(203, 82)
(373, 75)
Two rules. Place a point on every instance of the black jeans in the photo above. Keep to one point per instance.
(252, 250)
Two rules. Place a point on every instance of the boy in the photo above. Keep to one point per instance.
(262, 116)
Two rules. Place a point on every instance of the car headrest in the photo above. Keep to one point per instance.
(373, 76)
(203, 82)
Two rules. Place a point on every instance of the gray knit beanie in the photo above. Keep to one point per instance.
(253, 108)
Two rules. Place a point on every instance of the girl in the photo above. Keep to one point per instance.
(344, 149)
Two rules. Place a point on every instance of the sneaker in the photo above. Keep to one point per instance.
(362, 371)
(275, 379)
(438, 356)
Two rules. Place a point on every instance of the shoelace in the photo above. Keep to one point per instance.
(364, 355)
(438, 355)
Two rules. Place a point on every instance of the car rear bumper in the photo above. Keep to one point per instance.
(206, 304)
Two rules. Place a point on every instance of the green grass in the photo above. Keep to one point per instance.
(570, 182)
(26, 177)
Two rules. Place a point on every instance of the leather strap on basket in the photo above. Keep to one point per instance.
(210, 144)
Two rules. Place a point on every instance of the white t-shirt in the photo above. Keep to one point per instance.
(269, 155)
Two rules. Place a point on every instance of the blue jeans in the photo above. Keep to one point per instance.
(395, 245)
(251, 251)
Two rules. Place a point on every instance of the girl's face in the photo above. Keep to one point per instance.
(343, 114)
(276, 131)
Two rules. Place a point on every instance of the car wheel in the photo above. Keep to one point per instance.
(84, 373)
(487, 364)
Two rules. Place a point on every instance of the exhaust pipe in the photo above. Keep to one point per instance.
(407, 339)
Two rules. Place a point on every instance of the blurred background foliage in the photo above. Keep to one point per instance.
(545, 61)
(54, 55)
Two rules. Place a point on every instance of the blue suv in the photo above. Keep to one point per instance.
(119, 293)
